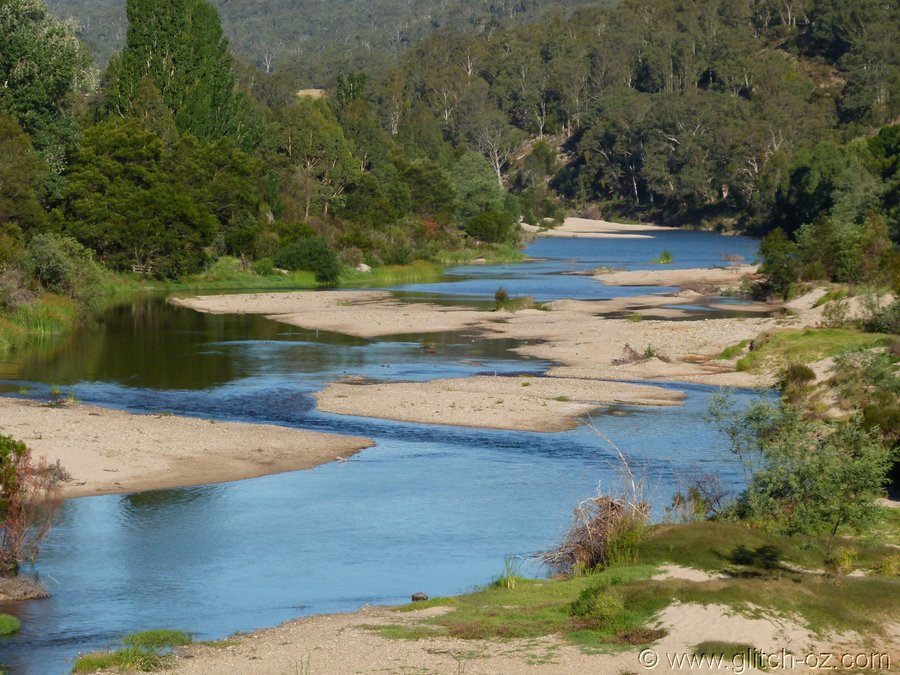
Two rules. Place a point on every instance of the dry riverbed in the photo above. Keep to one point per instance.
(109, 451)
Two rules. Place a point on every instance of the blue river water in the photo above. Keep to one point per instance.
(432, 509)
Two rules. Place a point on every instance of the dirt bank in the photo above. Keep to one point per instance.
(109, 451)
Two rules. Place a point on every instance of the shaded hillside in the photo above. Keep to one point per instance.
(313, 39)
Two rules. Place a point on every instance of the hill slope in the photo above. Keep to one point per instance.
(314, 38)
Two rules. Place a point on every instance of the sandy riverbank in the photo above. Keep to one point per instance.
(358, 313)
(718, 276)
(349, 643)
(540, 404)
(109, 451)
(584, 228)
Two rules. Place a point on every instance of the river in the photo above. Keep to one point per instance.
(431, 509)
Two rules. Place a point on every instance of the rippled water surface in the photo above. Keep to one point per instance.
(433, 509)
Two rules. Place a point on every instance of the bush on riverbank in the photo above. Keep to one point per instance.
(29, 497)
(9, 624)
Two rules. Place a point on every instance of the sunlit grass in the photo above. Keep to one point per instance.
(780, 348)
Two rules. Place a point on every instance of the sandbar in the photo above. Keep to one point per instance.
(111, 451)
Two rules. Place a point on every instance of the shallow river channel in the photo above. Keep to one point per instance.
(429, 508)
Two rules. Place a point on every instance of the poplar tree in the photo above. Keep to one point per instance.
(178, 47)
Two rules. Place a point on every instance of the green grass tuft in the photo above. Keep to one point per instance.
(9, 624)
(164, 638)
(128, 659)
(732, 351)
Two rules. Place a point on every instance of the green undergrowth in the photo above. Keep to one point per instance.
(228, 273)
(48, 316)
(779, 348)
(145, 651)
(614, 609)
(9, 624)
(734, 350)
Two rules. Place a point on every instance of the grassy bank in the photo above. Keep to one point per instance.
(48, 316)
(229, 274)
(762, 574)
(775, 350)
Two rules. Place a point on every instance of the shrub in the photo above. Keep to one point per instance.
(491, 226)
(311, 254)
(263, 267)
(63, 266)
(501, 298)
(598, 604)
(29, 496)
(795, 375)
(9, 624)
(14, 289)
(665, 258)
(886, 320)
(806, 476)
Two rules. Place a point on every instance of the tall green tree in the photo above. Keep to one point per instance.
(126, 202)
(179, 46)
(42, 64)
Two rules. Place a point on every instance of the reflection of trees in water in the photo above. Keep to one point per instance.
(153, 500)
(148, 343)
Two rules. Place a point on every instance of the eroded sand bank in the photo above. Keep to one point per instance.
(109, 451)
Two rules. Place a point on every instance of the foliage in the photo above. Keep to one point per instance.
(63, 266)
(311, 254)
(29, 496)
(9, 624)
(42, 64)
(778, 262)
(122, 170)
(22, 176)
(492, 227)
(805, 476)
(177, 52)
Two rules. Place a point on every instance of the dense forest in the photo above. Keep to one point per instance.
(308, 41)
(750, 115)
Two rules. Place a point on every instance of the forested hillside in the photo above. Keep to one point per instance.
(312, 39)
(751, 115)
(723, 113)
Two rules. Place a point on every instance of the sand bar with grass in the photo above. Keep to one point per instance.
(109, 451)
(542, 404)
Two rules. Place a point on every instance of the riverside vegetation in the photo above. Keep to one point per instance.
(181, 167)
